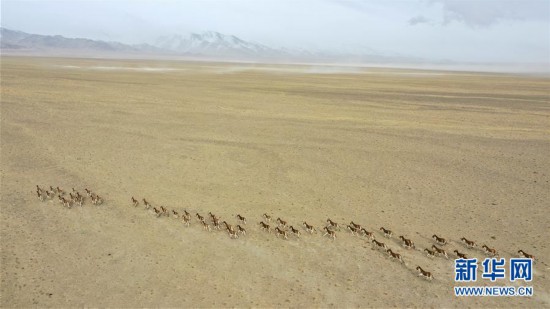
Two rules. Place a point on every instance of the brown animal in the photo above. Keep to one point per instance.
(526, 255)
(228, 226)
(367, 233)
(308, 227)
(395, 255)
(294, 231)
(267, 217)
(430, 253)
(79, 199)
(147, 205)
(423, 273)
(333, 224)
(157, 212)
(40, 196)
(50, 194)
(241, 230)
(205, 226)
(201, 218)
(490, 251)
(164, 211)
(440, 240)
(386, 232)
(407, 243)
(281, 232)
(330, 232)
(216, 223)
(241, 218)
(175, 214)
(379, 244)
(233, 234)
(460, 255)
(66, 202)
(353, 229)
(440, 251)
(355, 225)
(281, 222)
(469, 243)
(88, 192)
(135, 202)
(264, 226)
(186, 220)
(97, 200)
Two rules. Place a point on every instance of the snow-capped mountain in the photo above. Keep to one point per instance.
(211, 43)
(208, 45)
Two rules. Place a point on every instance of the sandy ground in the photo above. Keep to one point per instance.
(460, 155)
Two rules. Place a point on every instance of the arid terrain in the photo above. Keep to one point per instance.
(457, 154)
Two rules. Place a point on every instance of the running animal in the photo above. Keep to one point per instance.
(242, 219)
(469, 243)
(379, 244)
(526, 255)
(423, 273)
(395, 255)
(460, 255)
(330, 233)
(308, 227)
(407, 243)
(440, 251)
(387, 233)
(490, 251)
(440, 240)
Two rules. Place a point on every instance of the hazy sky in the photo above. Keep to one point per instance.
(462, 30)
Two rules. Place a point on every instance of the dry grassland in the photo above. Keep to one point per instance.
(456, 154)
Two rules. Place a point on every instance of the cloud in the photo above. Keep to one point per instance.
(419, 20)
(487, 13)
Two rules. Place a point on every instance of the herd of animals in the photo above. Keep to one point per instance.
(74, 198)
(281, 227)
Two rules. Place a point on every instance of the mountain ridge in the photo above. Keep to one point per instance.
(212, 43)
(208, 45)
(23, 40)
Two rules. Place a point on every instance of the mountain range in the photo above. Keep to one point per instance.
(12, 39)
(211, 43)
(208, 44)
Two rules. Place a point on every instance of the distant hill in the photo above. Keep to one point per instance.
(208, 45)
(211, 43)
(12, 39)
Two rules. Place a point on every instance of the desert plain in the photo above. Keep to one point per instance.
(457, 154)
